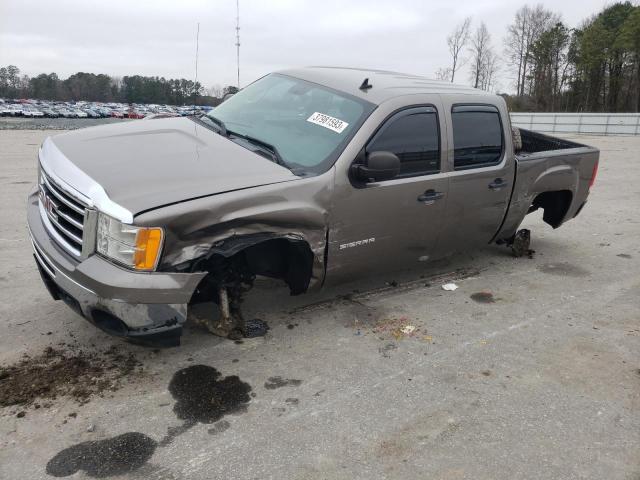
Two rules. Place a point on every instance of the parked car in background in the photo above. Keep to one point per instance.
(88, 109)
(31, 112)
(7, 110)
(136, 114)
(63, 112)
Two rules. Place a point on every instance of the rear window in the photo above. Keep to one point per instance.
(477, 136)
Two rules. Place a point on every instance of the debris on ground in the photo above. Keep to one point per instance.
(450, 287)
(55, 373)
(408, 329)
(398, 328)
(255, 328)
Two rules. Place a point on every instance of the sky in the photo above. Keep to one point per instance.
(158, 37)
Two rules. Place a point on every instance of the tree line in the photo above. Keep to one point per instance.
(105, 88)
(594, 67)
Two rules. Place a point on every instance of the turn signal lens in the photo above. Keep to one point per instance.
(148, 243)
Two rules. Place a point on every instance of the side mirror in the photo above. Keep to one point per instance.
(379, 166)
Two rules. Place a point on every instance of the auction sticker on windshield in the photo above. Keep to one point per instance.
(327, 121)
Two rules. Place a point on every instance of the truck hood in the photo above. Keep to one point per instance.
(142, 165)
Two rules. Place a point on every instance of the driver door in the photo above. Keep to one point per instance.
(392, 224)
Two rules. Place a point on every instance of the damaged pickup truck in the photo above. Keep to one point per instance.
(312, 176)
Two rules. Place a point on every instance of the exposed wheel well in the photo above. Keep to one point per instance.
(555, 205)
(286, 259)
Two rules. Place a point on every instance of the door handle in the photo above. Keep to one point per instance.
(430, 196)
(498, 184)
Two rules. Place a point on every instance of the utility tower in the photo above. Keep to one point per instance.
(195, 82)
(238, 39)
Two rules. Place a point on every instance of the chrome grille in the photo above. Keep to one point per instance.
(63, 213)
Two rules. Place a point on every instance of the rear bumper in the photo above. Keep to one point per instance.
(144, 307)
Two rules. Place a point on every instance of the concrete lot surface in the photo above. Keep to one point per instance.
(543, 383)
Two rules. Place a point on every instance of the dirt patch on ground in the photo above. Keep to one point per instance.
(56, 373)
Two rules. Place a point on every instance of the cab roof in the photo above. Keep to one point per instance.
(384, 84)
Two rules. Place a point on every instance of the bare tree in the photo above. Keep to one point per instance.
(443, 74)
(116, 81)
(484, 59)
(528, 24)
(456, 42)
(515, 43)
(478, 50)
(491, 65)
(215, 91)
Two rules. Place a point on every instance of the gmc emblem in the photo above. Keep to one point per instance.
(50, 207)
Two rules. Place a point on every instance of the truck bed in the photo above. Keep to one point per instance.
(534, 142)
(553, 174)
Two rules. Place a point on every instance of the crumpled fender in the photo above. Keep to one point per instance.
(226, 223)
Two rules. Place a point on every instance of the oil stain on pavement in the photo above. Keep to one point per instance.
(563, 269)
(219, 427)
(483, 297)
(278, 382)
(104, 458)
(201, 396)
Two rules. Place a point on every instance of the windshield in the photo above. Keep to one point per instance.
(309, 125)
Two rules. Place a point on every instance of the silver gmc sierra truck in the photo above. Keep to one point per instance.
(312, 176)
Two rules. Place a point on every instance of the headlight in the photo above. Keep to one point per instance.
(134, 247)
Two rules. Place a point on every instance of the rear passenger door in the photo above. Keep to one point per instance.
(481, 179)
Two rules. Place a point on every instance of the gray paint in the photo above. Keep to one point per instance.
(211, 195)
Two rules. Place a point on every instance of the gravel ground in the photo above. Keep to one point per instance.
(530, 370)
(21, 123)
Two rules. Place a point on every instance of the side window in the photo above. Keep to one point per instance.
(413, 135)
(477, 136)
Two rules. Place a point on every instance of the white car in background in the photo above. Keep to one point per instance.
(66, 113)
(31, 112)
(6, 110)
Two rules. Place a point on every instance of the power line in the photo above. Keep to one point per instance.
(195, 83)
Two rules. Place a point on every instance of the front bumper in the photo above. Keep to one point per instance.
(144, 307)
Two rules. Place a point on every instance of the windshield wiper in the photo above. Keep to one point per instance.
(219, 124)
(261, 144)
(264, 146)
